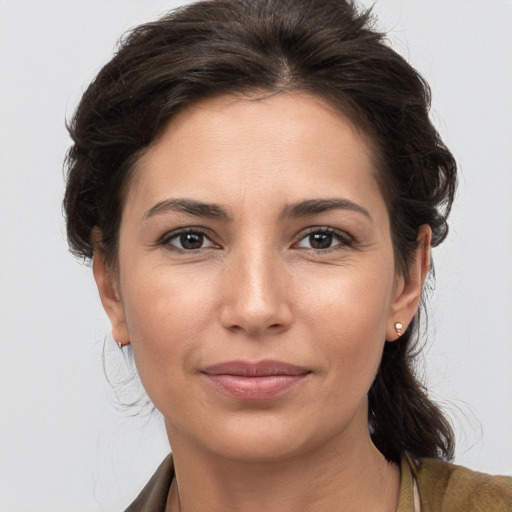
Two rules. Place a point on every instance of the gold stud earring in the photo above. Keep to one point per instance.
(398, 328)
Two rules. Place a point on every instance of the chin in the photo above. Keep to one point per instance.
(250, 449)
(262, 437)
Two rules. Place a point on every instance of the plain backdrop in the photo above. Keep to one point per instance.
(63, 443)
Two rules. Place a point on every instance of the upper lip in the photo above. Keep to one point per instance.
(256, 369)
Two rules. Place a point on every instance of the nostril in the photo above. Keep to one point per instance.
(255, 316)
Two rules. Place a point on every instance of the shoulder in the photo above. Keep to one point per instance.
(445, 487)
(153, 496)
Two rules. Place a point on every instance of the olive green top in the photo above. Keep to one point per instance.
(444, 487)
(438, 485)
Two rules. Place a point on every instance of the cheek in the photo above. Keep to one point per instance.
(167, 315)
(162, 300)
(347, 316)
(350, 300)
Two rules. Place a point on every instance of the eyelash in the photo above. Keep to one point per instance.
(345, 240)
(193, 230)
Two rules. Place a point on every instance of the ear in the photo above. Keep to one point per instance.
(409, 288)
(107, 284)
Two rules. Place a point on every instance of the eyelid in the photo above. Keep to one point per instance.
(345, 239)
(169, 235)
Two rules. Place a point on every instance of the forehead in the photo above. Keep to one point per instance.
(296, 142)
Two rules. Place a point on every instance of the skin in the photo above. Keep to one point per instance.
(257, 288)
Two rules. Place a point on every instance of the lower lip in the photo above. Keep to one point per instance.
(255, 388)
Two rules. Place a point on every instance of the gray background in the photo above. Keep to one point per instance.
(63, 446)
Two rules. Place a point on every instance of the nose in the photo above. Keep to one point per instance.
(256, 299)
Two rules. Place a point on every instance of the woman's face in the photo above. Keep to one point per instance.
(256, 277)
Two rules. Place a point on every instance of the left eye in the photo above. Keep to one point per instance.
(319, 240)
(189, 241)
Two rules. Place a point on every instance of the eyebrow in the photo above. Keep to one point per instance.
(317, 206)
(214, 211)
(198, 208)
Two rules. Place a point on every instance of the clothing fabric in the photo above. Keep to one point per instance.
(444, 487)
(441, 487)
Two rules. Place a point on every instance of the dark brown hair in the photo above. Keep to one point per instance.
(323, 47)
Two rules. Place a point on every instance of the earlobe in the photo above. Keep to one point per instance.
(109, 295)
(410, 287)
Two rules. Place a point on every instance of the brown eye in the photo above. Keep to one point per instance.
(189, 240)
(320, 240)
(324, 239)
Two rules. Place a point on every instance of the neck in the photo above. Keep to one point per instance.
(337, 476)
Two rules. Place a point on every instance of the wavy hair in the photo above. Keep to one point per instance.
(328, 48)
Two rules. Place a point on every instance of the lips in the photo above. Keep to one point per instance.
(254, 381)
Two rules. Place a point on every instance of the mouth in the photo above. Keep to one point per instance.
(255, 381)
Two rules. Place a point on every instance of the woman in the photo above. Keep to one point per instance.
(259, 185)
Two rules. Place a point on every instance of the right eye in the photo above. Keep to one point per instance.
(188, 240)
